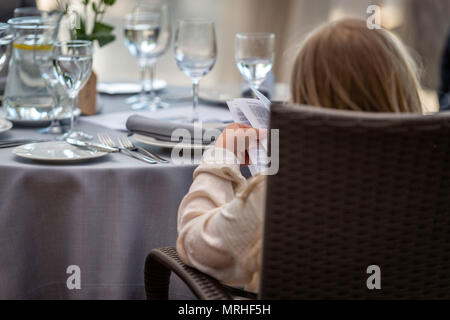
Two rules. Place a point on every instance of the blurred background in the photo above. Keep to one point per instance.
(422, 24)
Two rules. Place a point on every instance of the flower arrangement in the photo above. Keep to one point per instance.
(95, 31)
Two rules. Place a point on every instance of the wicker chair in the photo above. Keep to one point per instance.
(353, 190)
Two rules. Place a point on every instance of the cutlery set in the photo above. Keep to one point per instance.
(127, 147)
(107, 144)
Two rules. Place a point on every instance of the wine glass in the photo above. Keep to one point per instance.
(5, 41)
(195, 52)
(254, 54)
(147, 36)
(72, 65)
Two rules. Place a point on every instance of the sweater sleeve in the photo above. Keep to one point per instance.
(219, 220)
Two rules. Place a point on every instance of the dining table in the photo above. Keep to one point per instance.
(103, 216)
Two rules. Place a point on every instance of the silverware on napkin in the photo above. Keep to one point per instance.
(91, 145)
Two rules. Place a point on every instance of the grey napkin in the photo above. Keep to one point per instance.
(162, 130)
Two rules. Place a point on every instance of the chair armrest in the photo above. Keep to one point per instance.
(158, 266)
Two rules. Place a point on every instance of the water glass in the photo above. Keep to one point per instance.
(72, 64)
(26, 96)
(195, 52)
(44, 61)
(147, 36)
(254, 55)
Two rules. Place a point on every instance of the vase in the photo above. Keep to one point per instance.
(87, 98)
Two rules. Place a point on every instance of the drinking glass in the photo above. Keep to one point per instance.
(147, 36)
(195, 52)
(254, 54)
(44, 61)
(72, 64)
(26, 96)
(43, 58)
(5, 42)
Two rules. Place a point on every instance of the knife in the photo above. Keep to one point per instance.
(18, 142)
(96, 146)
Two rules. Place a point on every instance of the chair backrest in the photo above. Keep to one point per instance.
(356, 190)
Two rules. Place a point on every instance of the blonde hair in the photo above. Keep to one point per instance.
(344, 65)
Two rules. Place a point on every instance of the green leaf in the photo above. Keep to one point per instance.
(101, 32)
(100, 27)
(81, 35)
(103, 38)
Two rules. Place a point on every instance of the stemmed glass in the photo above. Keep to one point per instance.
(72, 63)
(254, 54)
(195, 53)
(147, 36)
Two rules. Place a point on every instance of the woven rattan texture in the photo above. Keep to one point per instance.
(355, 190)
(158, 265)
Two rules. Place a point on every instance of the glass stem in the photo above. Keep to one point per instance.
(152, 78)
(72, 112)
(142, 72)
(254, 86)
(195, 86)
(55, 103)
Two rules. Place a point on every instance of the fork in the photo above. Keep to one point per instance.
(132, 147)
(105, 139)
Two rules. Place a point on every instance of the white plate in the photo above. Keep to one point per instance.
(43, 123)
(117, 87)
(56, 151)
(5, 125)
(166, 144)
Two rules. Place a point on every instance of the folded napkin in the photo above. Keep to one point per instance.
(162, 130)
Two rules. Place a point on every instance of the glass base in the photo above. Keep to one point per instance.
(54, 128)
(139, 102)
(78, 135)
(195, 119)
(192, 119)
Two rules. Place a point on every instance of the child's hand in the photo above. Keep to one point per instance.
(236, 138)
